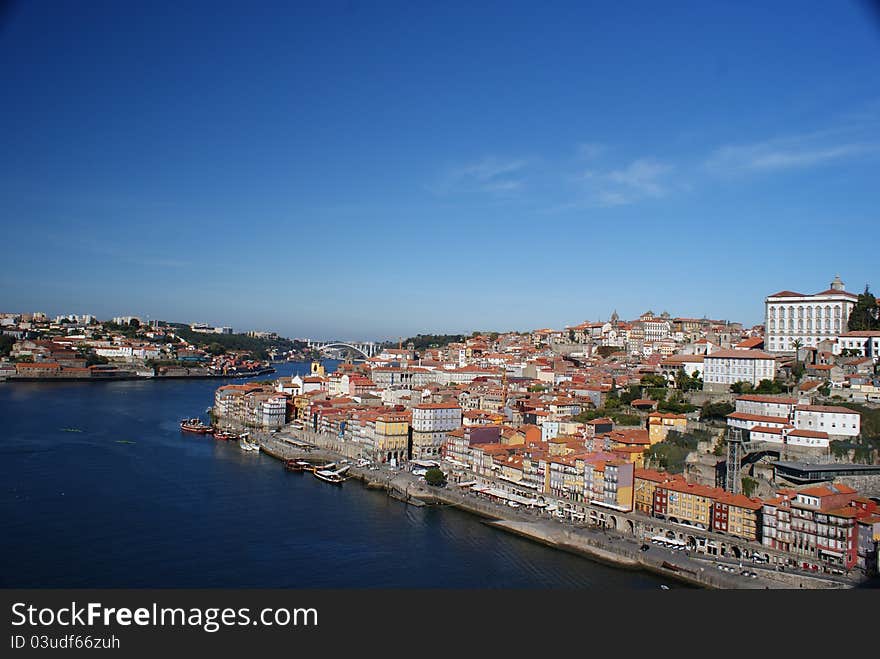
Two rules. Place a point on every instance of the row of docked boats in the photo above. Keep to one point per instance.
(326, 471)
(198, 427)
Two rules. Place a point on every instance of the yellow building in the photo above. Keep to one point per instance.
(736, 514)
(645, 482)
(391, 437)
(687, 502)
(660, 423)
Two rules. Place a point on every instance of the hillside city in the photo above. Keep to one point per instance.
(761, 440)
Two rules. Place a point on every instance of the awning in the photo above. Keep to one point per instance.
(501, 494)
(671, 541)
(425, 463)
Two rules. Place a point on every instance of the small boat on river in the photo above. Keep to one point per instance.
(245, 445)
(329, 476)
(196, 426)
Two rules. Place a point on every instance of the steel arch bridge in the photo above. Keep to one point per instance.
(366, 348)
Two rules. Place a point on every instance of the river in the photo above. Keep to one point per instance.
(100, 489)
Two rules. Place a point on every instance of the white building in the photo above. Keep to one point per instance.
(807, 438)
(836, 421)
(790, 316)
(115, 352)
(430, 424)
(273, 411)
(864, 343)
(126, 320)
(745, 421)
(776, 406)
(726, 367)
(436, 417)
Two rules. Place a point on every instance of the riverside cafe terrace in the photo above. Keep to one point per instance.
(500, 495)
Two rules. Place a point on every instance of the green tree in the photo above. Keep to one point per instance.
(741, 387)
(718, 410)
(93, 360)
(797, 344)
(865, 315)
(435, 477)
(769, 387)
(653, 380)
(749, 485)
(6, 343)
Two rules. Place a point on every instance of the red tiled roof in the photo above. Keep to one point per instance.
(743, 416)
(767, 429)
(739, 354)
(809, 433)
(831, 291)
(756, 398)
(833, 409)
(787, 294)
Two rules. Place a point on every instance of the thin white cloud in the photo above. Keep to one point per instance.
(786, 153)
(489, 168)
(644, 176)
(490, 174)
(640, 179)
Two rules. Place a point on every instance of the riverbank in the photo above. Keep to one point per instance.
(133, 376)
(604, 546)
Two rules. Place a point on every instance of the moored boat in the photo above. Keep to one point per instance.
(195, 425)
(224, 435)
(329, 476)
(247, 446)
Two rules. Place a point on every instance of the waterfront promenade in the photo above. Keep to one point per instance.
(601, 544)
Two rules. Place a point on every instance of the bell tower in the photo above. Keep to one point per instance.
(317, 368)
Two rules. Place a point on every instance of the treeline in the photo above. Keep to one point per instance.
(222, 343)
(424, 341)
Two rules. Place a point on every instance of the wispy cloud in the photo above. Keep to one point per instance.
(643, 176)
(787, 153)
(640, 179)
(491, 174)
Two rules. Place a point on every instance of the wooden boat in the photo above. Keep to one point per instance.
(196, 426)
(312, 467)
(329, 476)
(224, 435)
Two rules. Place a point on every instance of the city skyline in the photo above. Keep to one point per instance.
(361, 172)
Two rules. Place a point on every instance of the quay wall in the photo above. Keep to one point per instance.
(603, 545)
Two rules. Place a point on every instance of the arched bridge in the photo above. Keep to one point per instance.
(366, 348)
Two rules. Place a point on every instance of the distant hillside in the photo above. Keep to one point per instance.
(258, 347)
(423, 341)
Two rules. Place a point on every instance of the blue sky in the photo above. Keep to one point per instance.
(358, 170)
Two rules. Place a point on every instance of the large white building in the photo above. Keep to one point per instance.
(430, 424)
(726, 367)
(836, 421)
(790, 316)
(782, 420)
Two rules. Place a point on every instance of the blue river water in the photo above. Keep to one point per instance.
(100, 489)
